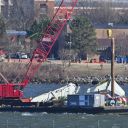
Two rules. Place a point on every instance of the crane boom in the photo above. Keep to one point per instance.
(49, 38)
(40, 54)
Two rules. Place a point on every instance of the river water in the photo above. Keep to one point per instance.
(65, 120)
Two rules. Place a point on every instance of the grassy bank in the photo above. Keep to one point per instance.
(58, 71)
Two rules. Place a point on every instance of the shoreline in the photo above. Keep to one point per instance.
(58, 72)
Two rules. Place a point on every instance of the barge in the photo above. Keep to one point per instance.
(66, 99)
(11, 93)
(90, 104)
(32, 108)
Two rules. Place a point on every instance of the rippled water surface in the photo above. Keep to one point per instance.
(44, 120)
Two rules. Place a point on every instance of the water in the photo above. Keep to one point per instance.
(65, 120)
(44, 120)
(35, 90)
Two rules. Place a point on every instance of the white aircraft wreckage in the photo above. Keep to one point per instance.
(106, 87)
(56, 94)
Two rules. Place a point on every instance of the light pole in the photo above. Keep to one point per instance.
(109, 33)
(112, 66)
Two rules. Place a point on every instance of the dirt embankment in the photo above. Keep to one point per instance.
(58, 71)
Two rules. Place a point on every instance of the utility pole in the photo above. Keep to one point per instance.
(112, 66)
(109, 33)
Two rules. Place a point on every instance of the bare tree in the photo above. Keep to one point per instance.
(21, 14)
(104, 11)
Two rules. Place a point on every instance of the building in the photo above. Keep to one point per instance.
(43, 7)
(103, 43)
(120, 33)
(101, 11)
(24, 10)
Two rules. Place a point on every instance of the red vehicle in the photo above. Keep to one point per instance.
(40, 54)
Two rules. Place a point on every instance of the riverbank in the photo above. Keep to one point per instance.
(61, 72)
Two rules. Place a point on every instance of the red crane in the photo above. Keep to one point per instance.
(40, 54)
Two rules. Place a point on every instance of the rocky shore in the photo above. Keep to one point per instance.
(58, 72)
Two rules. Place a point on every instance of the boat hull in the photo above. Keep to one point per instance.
(98, 110)
(52, 110)
(11, 105)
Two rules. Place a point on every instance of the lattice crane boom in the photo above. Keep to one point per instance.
(49, 38)
(40, 54)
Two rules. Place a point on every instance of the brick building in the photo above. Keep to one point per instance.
(120, 33)
(43, 7)
(49, 7)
